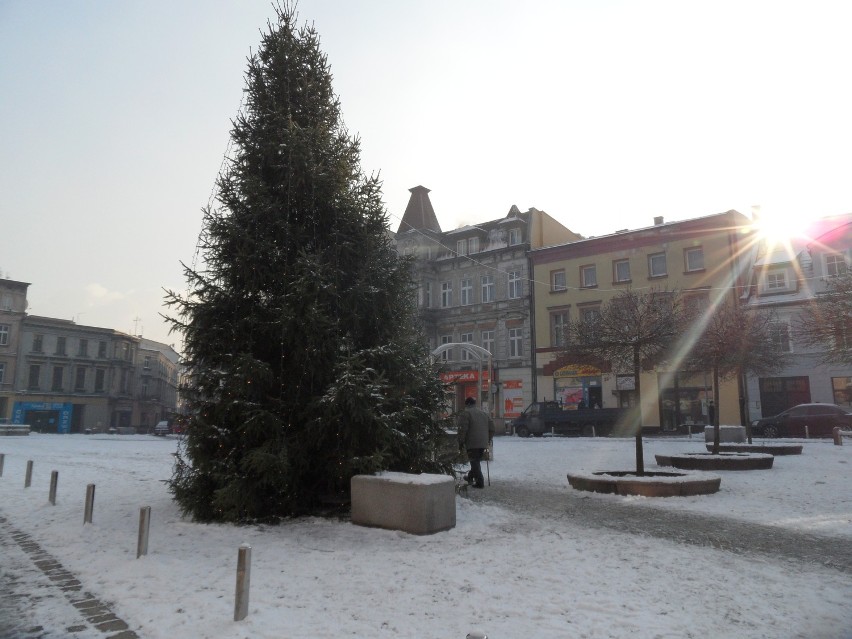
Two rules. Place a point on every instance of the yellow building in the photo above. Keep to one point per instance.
(707, 259)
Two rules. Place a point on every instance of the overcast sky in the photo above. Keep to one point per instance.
(114, 118)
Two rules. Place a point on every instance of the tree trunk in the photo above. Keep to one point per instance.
(716, 436)
(640, 455)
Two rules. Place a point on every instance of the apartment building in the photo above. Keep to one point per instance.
(786, 277)
(707, 259)
(474, 288)
(13, 307)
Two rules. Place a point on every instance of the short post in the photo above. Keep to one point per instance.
(2, 460)
(90, 504)
(28, 478)
(54, 480)
(807, 434)
(241, 600)
(594, 434)
(476, 634)
(838, 440)
(144, 527)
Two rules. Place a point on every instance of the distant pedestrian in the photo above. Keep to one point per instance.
(475, 432)
(581, 404)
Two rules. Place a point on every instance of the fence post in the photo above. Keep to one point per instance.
(54, 480)
(807, 434)
(28, 478)
(144, 527)
(2, 460)
(90, 504)
(241, 600)
(838, 441)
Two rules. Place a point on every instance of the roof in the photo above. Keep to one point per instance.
(419, 213)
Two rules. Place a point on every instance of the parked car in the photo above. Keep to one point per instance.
(820, 420)
(162, 428)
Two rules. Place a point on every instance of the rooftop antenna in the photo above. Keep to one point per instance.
(136, 321)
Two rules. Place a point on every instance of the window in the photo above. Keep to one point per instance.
(100, 375)
(60, 346)
(558, 281)
(80, 379)
(446, 294)
(38, 343)
(6, 302)
(2, 371)
(466, 292)
(427, 295)
(57, 378)
(4, 334)
(446, 339)
(516, 342)
(693, 258)
(835, 265)
(590, 314)
(657, 265)
(588, 276)
(466, 338)
(775, 281)
(514, 236)
(558, 324)
(515, 287)
(621, 270)
(83, 348)
(488, 341)
(35, 373)
(488, 290)
(473, 245)
(461, 247)
(780, 332)
(146, 362)
(102, 350)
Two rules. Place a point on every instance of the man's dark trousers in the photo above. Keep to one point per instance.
(475, 456)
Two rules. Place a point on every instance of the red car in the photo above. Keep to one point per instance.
(804, 420)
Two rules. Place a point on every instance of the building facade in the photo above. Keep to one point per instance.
(62, 377)
(474, 288)
(13, 307)
(787, 276)
(706, 259)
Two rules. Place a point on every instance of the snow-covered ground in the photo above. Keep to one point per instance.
(508, 574)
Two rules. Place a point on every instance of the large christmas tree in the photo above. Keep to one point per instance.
(304, 366)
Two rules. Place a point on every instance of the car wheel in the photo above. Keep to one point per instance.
(770, 430)
(522, 431)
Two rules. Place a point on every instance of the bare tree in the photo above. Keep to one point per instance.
(732, 341)
(825, 324)
(634, 331)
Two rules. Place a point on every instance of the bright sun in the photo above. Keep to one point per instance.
(779, 227)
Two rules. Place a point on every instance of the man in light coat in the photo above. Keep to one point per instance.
(475, 431)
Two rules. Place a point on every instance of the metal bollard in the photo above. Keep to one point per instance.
(144, 527)
(54, 480)
(2, 460)
(241, 599)
(838, 438)
(476, 634)
(90, 504)
(807, 433)
(28, 478)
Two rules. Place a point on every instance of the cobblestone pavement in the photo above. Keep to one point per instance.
(72, 613)
(736, 536)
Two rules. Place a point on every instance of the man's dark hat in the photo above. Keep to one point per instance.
(470, 401)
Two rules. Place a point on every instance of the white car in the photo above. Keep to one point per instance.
(162, 428)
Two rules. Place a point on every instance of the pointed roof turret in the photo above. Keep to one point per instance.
(419, 213)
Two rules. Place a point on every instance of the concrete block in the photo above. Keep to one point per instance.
(417, 504)
(727, 434)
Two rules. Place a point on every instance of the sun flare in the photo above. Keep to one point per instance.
(781, 227)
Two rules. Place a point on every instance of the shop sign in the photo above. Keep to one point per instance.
(577, 370)
(513, 398)
(462, 377)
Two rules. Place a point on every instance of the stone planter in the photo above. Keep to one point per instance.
(722, 461)
(651, 484)
(769, 449)
(726, 434)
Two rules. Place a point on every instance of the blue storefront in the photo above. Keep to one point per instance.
(46, 417)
